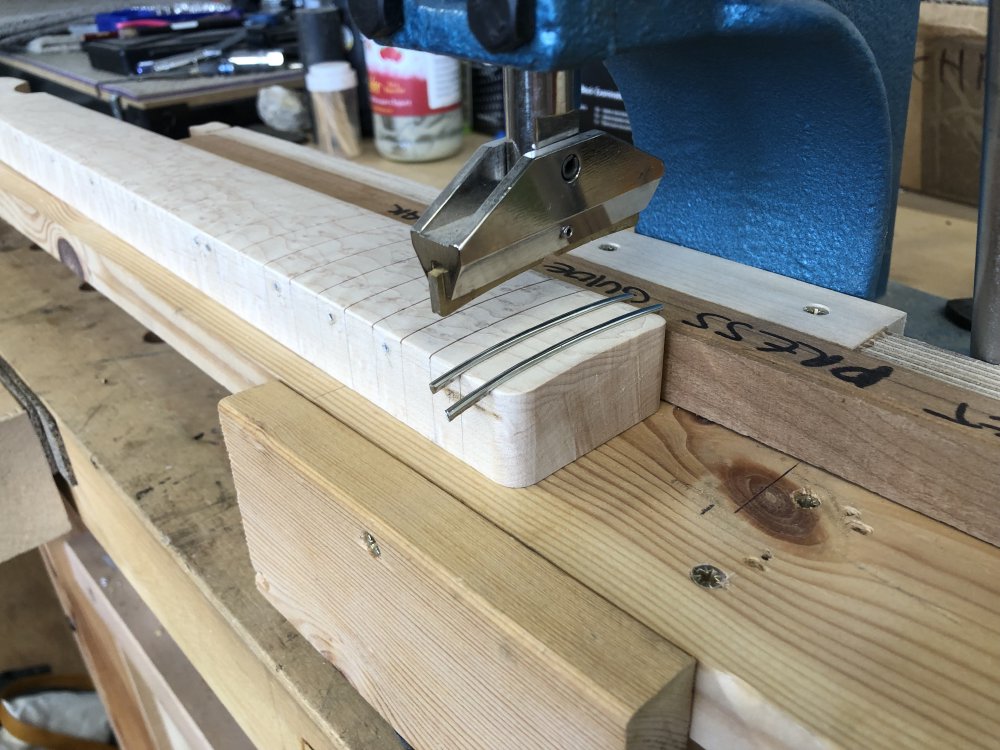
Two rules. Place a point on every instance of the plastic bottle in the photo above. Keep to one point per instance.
(416, 101)
(333, 88)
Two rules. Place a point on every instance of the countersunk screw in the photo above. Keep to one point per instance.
(708, 576)
(805, 499)
(377, 19)
(502, 25)
(372, 546)
(816, 309)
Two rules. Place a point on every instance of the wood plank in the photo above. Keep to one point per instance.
(920, 436)
(760, 294)
(934, 243)
(167, 683)
(850, 668)
(188, 311)
(461, 635)
(105, 663)
(30, 504)
(141, 430)
(855, 608)
(332, 282)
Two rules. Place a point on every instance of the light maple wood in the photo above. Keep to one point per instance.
(761, 295)
(446, 624)
(173, 696)
(341, 286)
(162, 503)
(31, 508)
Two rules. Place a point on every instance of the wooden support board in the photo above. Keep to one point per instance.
(179, 707)
(141, 429)
(842, 391)
(30, 505)
(868, 626)
(105, 663)
(450, 627)
(341, 286)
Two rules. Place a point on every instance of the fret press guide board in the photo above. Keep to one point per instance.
(341, 286)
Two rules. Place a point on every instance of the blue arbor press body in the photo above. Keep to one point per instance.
(779, 123)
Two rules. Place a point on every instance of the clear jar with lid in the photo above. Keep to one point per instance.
(416, 102)
(333, 88)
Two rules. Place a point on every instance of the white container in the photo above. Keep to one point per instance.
(333, 89)
(416, 101)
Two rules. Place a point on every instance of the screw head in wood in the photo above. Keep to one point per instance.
(816, 309)
(806, 499)
(373, 549)
(708, 576)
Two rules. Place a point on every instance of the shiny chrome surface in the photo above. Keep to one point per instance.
(491, 222)
(986, 299)
(540, 107)
(468, 401)
(438, 383)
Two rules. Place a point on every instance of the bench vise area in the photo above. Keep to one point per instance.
(768, 132)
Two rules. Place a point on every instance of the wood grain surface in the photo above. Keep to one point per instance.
(141, 428)
(174, 698)
(450, 627)
(341, 286)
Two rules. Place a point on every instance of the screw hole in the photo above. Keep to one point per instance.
(608, 247)
(571, 168)
(566, 232)
(815, 309)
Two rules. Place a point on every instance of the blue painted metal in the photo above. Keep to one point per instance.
(780, 122)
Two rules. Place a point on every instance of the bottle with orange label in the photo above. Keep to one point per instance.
(416, 101)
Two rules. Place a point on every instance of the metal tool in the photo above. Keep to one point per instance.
(440, 382)
(986, 297)
(472, 398)
(544, 189)
(192, 58)
(781, 123)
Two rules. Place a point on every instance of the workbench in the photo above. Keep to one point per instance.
(848, 620)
